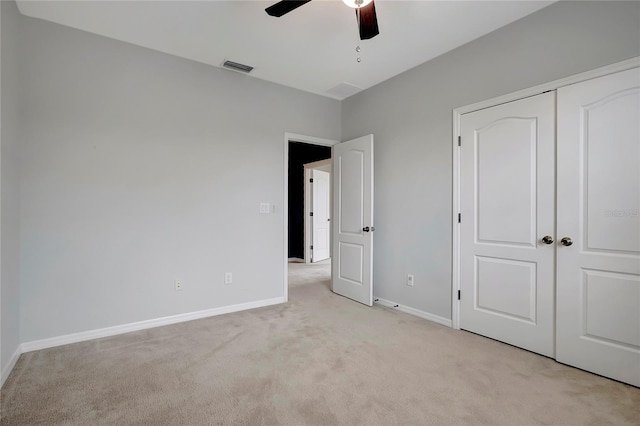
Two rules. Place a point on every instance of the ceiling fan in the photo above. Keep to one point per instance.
(365, 14)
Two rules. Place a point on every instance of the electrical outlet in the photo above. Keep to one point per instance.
(228, 278)
(410, 280)
(178, 285)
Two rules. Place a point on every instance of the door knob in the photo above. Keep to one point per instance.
(547, 239)
(566, 241)
(365, 229)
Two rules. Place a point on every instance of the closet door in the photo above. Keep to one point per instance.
(507, 201)
(598, 256)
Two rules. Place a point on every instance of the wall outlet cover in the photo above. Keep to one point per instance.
(410, 280)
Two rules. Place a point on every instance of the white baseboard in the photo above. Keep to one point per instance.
(142, 325)
(411, 311)
(9, 368)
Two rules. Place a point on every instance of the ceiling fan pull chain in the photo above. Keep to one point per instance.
(358, 47)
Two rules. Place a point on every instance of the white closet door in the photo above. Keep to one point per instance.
(598, 311)
(507, 200)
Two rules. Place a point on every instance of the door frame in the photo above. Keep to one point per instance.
(457, 116)
(293, 137)
(308, 200)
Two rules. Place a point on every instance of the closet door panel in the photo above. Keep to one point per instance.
(598, 275)
(507, 202)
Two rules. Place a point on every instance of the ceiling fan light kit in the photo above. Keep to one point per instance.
(356, 4)
(365, 14)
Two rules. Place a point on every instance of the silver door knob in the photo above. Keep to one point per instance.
(547, 239)
(566, 241)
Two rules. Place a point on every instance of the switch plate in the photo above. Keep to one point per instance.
(178, 285)
(228, 278)
(410, 280)
(265, 208)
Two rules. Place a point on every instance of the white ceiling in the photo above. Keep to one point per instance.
(312, 48)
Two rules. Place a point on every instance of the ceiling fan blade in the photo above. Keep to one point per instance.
(367, 21)
(284, 7)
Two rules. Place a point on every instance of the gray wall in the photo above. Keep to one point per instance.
(138, 168)
(410, 116)
(9, 199)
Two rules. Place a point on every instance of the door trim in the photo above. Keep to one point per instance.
(293, 137)
(457, 115)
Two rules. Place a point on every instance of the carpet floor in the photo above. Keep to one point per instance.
(320, 359)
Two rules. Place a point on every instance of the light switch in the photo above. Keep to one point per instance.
(265, 208)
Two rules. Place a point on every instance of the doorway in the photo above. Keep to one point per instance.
(352, 207)
(298, 151)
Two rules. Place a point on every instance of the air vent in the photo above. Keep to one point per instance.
(237, 67)
(343, 91)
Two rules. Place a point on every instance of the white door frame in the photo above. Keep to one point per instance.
(308, 222)
(457, 113)
(293, 137)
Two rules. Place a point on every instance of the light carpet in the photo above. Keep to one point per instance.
(320, 359)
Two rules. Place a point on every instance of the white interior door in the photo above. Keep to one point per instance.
(507, 202)
(353, 219)
(598, 316)
(321, 195)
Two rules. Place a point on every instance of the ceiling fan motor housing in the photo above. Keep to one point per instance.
(365, 14)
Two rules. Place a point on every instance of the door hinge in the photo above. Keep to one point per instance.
(459, 140)
(310, 213)
(458, 294)
(311, 180)
(459, 217)
(311, 247)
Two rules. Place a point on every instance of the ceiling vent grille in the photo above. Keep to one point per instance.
(237, 66)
